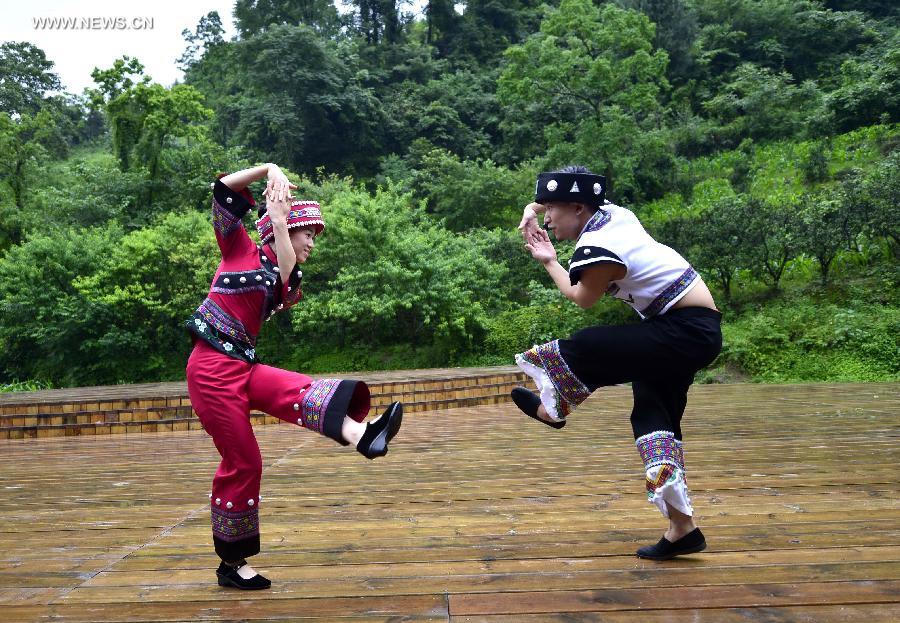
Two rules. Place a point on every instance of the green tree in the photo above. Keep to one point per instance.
(718, 240)
(758, 103)
(874, 201)
(773, 238)
(252, 17)
(824, 219)
(303, 102)
(595, 72)
(206, 36)
(25, 77)
(145, 115)
(796, 36)
(44, 321)
(386, 274)
(140, 291)
(488, 27)
(24, 143)
(457, 111)
(443, 23)
(469, 194)
(89, 306)
(676, 31)
(378, 21)
(868, 89)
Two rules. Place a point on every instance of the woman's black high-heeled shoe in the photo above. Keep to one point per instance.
(528, 402)
(228, 576)
(374, 442)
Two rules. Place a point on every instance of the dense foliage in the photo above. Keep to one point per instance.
(760, 138)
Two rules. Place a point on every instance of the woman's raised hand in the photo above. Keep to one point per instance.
(278, 188)
(278, 209)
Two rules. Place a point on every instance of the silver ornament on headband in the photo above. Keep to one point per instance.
(598, 189)
(551, 185)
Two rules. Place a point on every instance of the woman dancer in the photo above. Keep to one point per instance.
(226, 380)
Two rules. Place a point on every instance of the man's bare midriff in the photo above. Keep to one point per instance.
(698, 296)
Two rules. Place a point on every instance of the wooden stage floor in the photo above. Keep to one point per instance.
(477, 515)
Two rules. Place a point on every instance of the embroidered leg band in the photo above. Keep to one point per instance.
(560, 390)
(327, 401)
(235, 535)
(663, 458)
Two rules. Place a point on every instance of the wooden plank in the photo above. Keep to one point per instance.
(299, 582)
(871, 613)
(356, 609)
(682, 597)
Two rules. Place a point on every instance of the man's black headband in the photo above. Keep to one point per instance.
(584, 188)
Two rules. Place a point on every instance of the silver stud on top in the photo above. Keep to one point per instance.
(228, 200)
(229, 505)
(250, 502)
(243, 280)
(218, 500)
(296, 406)
(598, 188)
(552, 185)
(227, 280)
(587, 251)
(259, 277)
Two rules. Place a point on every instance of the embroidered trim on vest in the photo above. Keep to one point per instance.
(221, 331)
(600, 218)
(232, 527)
(253, 281)
(225, 323)
(670, 293)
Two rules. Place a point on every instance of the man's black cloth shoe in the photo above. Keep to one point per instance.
(690, 543)
(374, 442)
(228, 576)
(528, 402)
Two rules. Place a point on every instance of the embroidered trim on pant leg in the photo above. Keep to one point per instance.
(664, 465)
(560, 390)
(231, 527)
(315, 402)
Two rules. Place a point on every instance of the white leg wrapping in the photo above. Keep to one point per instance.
(673, 490)
(544, 385)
